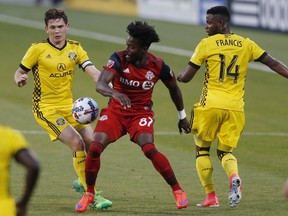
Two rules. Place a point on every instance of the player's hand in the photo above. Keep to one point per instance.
(185, 125)
(123, 99)
(22, 80)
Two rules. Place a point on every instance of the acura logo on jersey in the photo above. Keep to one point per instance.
(61, 67)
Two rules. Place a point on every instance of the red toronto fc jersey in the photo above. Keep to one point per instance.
(137, 83)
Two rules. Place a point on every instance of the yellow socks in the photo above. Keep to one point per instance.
(79, 158)
(204, 168)
(229, 164)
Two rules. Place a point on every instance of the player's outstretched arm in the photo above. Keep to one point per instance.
(30, 162)
(275, 65)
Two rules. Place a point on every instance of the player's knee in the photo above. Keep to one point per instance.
(95, 149)
(221, 154)
(200, 151)
(149, 150)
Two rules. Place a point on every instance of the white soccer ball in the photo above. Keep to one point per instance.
(85, 110)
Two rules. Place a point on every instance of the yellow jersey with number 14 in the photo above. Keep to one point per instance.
(226, 57)
(53, 71)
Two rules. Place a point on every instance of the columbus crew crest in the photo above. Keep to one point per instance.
(72, 56)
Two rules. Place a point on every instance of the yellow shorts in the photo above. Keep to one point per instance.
(226, 125)
(54, 119)
(7, 207)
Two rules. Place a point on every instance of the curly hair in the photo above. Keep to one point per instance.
(145, 33)
(55, 13)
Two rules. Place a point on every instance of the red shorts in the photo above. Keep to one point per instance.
(117, 122)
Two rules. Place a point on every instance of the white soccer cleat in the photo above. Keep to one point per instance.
(235, 193)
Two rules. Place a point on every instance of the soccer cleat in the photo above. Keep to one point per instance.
(78, 187)
(83, 204)
(100, 202)
(181, 199)
(235, 193)
(209, 202)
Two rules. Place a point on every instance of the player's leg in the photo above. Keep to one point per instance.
(229, 164)
(99, 201)
(204, 127)
(70, 137)
(92, 167)
(228, 137)
(58, 127)
(161, 164)
(204, 167)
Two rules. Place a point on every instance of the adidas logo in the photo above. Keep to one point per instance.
(126, 70)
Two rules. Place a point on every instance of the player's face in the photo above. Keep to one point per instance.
(57, 30)
(134, 51)
(212, 24)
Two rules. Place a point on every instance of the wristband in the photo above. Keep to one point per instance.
(182, 114)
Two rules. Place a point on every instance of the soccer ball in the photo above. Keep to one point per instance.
(85, 110)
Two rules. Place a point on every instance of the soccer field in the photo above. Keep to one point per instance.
(126, 177)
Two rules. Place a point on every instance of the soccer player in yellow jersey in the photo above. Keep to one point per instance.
(219, 113)
(14, 145)
(53, 62)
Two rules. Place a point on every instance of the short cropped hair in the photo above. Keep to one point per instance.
(145, 33)
(55, 13)
(220, 10)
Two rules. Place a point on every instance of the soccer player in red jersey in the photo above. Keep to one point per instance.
(134, 73)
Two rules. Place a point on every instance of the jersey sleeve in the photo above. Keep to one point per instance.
(30, 58)
(13, 140)
(19, 142)
(257, 52)
(83, 59)
(200, 54)
(113, 64)
(166, 73)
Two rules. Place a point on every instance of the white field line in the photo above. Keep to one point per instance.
(275, 134)
(111, 39)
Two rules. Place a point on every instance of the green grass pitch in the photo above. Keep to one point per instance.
(126, 177)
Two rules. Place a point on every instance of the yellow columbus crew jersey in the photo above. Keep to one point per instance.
(53, 71)
(226, 59)
(11, 142)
